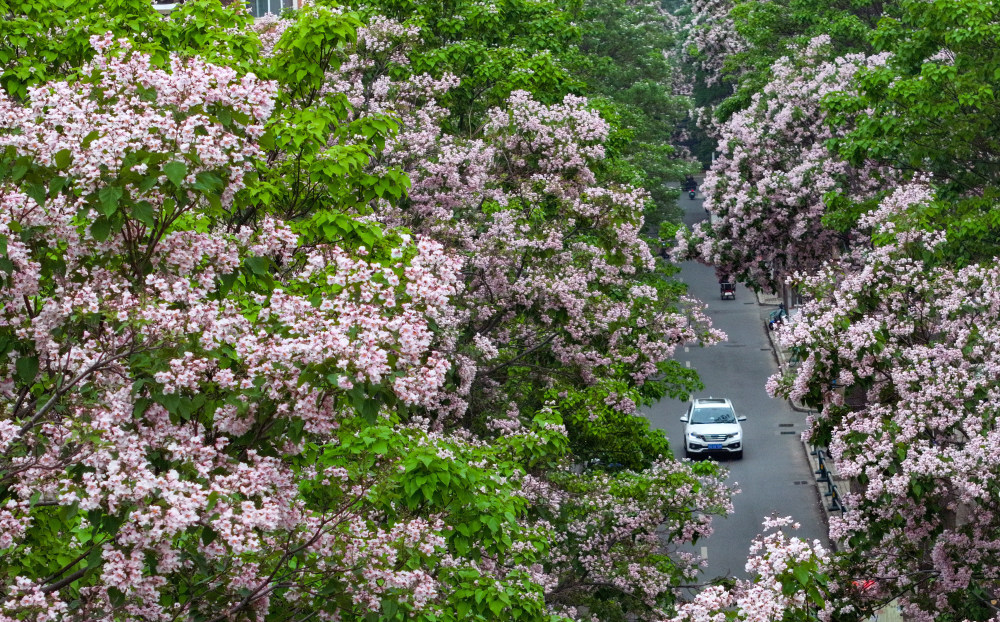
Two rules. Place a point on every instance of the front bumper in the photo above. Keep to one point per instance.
(730, 446)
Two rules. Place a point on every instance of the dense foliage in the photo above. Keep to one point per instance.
(324, 316)
(885, 163)
(624, 58)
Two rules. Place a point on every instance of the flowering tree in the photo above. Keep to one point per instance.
(900, 352)
(626, 58)
(560, 288)
(789, 583)
(164, 383)
(898, 349)
(47, 39)
(711, 38)
(493, 48)
(768, 190)
(930, 110)
(617, 556)
(560, 294)
(218, 363)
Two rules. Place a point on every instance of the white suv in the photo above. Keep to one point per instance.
(711, 426)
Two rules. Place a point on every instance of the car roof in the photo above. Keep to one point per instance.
(710, 402)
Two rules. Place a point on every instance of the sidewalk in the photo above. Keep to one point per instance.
(769, 302)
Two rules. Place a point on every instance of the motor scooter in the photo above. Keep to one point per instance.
(691, 193)
(777, 317)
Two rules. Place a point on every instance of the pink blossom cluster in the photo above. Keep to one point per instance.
(270, 28)
(902, 356)
(561, 140)
(107, 111)
(710, 38)
(609, 530)
(772, 561)
(767, 191)
(155, 378)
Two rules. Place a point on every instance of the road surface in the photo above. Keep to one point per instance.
(774, 475)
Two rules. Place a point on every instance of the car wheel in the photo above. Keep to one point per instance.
(738, 455)
(688, 454)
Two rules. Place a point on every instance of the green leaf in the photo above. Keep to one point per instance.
(57, 185)
(63, 158)
(170, 401)
(95, 558)
(266, 141)
(364, 405)
(116, 596)
(109, 196)
(100, 229)
(36, 192)
(258, 265)
(89, 138)
(801, 575)
(27, 368)
(226, 282)
(496, 607)
(816, 597)
(143, 212)
(175, 172)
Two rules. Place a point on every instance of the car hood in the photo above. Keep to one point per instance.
(714, 428)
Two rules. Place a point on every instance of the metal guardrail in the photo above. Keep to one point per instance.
(824, 477)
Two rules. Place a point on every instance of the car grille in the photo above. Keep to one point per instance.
(715, 438)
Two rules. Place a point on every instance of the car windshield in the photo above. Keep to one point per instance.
(716, 414)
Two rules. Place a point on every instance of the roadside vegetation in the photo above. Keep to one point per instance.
(348, 313)
(342, 314)
(856, 165)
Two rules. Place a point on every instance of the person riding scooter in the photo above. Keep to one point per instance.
(690, 186)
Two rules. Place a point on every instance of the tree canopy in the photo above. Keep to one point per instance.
(882, 164)
(331, 315)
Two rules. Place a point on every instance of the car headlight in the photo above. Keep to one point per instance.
(697, 436)
(734, 435)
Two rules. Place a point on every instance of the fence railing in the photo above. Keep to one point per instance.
(824, 477)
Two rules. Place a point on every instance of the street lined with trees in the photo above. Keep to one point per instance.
(350, 313)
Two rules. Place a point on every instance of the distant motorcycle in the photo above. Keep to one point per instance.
(691, 193)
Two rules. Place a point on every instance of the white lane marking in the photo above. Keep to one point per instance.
(687, 349)
(704, 552)
(687, 364)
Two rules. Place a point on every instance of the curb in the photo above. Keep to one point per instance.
(779, 353)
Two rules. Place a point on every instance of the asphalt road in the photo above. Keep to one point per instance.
(774, 475)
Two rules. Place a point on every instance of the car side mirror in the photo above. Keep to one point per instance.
(684, 419)
(741, 418)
